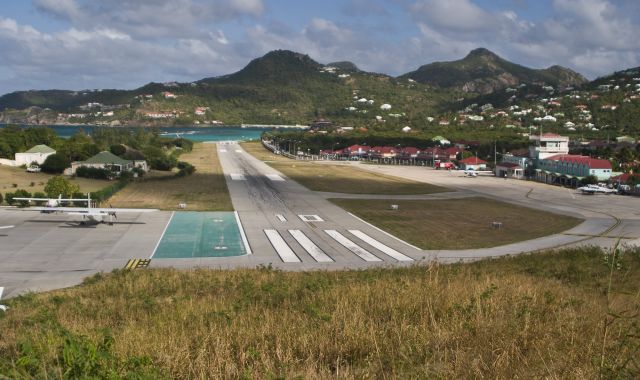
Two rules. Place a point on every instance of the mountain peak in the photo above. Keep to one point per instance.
(482, 52)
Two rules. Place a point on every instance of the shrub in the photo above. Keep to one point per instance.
(185, 169)
(1, 199)
(55, 164)
(20, 193)
(95, 173)
(9, 197)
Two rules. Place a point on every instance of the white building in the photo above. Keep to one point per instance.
(37, 154)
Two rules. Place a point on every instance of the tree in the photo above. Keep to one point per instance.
(60, 185)
(1, 199)
(118, 149)
(55, 164)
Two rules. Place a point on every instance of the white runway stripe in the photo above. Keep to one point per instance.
(379, 246)
(313, 250)
(223, 151)
(281, 218)
(351, 246)
(238, 151)
(237, 177)
(281, 247)
(274, 177)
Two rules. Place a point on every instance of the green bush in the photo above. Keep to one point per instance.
(1, 198)
(21, 193)
(185, 169)
(55, 164)
(95, 173)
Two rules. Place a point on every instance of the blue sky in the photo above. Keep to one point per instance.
(80, 44)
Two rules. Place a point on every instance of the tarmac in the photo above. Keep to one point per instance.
(289, 227)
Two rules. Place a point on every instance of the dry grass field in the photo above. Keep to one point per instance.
(560, 315)
(340, 178)
(205, 190)
(458, 223)
(34, 182)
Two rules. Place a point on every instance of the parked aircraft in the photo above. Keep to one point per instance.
(90, 215)
(53, 202)
(596, 189)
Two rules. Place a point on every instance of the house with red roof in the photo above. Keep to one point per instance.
(509, 170)
(472, 163)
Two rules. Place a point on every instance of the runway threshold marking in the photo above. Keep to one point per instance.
(281, 218)
(384, 232)
(223, 151)
(137, 263)
(282, 248)
(309, 246)
(379, 246)
(238, 151)
(237, 177)
(275, 177)
(351, 246)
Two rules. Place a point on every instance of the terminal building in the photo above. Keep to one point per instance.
(549, 161)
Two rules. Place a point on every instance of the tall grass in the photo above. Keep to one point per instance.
(530, 316)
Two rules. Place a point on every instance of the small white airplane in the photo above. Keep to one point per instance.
(596, 189)
(470, 173)
(53, 202)
(90, 215)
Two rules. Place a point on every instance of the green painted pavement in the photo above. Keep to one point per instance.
(201, 234)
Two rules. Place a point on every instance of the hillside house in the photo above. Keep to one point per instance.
(37, 154)
(109, 161)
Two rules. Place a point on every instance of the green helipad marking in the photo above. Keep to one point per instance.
(201, 234)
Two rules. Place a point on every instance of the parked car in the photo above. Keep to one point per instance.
(33, 169)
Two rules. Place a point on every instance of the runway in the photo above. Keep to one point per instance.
(283, 225)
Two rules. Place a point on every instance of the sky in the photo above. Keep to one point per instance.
(91, 44)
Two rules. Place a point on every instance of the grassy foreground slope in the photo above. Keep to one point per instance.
(546, 315)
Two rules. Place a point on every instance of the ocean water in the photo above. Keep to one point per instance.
(190, 132)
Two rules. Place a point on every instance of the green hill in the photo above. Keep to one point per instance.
(482, 71)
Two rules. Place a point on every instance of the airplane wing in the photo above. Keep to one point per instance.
(85, 210)
(54, 199)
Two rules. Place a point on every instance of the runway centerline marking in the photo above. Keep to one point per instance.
(311, 218)
(282, 248)
(309, 246)
(351, 246)
(379, 246)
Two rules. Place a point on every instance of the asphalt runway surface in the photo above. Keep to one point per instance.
(289, 227)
